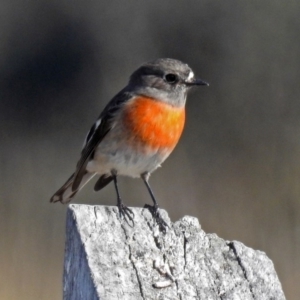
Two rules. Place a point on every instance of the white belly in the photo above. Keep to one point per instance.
(125, 161)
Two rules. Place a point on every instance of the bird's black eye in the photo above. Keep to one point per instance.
(171, 78)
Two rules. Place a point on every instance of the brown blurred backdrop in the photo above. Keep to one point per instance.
(237, 166)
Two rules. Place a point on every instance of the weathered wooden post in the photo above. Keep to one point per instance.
(107, 259)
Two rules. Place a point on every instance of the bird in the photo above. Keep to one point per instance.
(135, 133)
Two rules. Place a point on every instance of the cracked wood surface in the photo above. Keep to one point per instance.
(107, 259)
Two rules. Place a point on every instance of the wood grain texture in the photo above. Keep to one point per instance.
(107, 259)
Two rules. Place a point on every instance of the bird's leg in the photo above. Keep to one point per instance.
(124, 211)
(154, 209)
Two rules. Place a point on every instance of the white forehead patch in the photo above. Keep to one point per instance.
(191, 76)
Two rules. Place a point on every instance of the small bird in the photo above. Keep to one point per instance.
(136, 131)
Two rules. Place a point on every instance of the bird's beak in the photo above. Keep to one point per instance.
(196, 81)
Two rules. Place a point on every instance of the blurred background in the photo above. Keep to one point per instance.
(237, 166)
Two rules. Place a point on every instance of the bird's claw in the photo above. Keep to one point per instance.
(157, 216)
(126, 213)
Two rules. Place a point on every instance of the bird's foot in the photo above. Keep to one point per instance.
(126, 213)
(157, 216)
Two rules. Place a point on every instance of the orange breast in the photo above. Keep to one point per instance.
(154, 123)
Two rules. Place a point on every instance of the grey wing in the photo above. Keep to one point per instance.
(96, 134)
